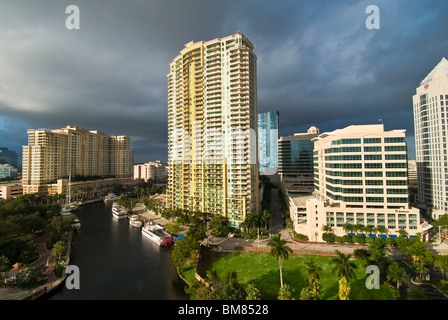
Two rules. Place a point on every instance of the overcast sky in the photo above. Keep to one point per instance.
(317, 64)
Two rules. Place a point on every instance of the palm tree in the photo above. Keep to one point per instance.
(345, 269)
(397, 274)
(441, 262)
(313, 271)
(280, 250)
(327, 228)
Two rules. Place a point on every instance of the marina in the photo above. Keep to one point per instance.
(117, 262)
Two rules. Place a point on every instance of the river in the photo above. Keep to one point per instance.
(116, 263)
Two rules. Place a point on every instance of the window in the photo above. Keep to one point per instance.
(397, 191)
(395, 148)
(395, 157)
(372, 140)
(374, 174)
(373, 165)
(397, 200)
(373, 157)
(374, 199)
(374, 191)
(374, 182)
(372, 149)
(397, 182)
(396, 174)
(396, 165)
(394, 140)
(346, 141)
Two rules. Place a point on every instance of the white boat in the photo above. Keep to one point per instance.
(73, 207)
(119, 212)
(65, 212)
(157, 234)
(76, 224)
(135, 222)
(111, 197)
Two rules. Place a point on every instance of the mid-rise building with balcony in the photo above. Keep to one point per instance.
(70, 152)
(212, 123)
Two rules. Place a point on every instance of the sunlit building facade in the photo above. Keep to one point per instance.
(430, 105)
(73, 151)
(212, 124)
(360, 178)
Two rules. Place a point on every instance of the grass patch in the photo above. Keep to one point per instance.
(264, 271)
(188, 274)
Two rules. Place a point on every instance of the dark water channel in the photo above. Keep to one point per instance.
(117, 263)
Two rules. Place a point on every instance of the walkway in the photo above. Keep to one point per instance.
(45, 258)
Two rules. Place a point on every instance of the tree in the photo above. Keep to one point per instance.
(343, 266)
(5, 264)
(397, 274)
(344, 289)
(229, 288)
(441, 262)
(30, 277)
(59, 249)
(327, 228)
(280, 250)
(285, 293)
(345, 270)
(313, 270)
(252, 292)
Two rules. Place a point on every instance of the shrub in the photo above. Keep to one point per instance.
(301, 237)
(328, 237)
(358, 239)
(338, 239)
(390, 242)
(347, 239)
(369, 240)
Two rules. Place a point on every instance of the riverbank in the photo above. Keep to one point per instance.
(45, 258)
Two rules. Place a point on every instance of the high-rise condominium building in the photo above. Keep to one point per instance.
(431, 127)
(295, 161)
(267, 124)
(73, 151)
(151, 170)
(361, 178)
(212, 123)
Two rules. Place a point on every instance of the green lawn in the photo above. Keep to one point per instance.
(264, 271)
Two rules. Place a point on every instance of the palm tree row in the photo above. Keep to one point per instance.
(256, 221)
(344, 266)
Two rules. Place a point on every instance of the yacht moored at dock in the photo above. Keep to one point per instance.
(157, 234)
(135, 222)
(111, 197)
(119, 212)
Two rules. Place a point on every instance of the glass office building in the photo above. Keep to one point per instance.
(267, 124)
(295, 161)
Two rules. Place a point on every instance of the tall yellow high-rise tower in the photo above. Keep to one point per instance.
(212, 125)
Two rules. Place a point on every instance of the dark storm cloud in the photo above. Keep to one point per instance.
(317, 62)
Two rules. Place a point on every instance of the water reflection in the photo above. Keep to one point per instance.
(116, 262)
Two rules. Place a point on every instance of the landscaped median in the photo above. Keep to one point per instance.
(262, 270)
